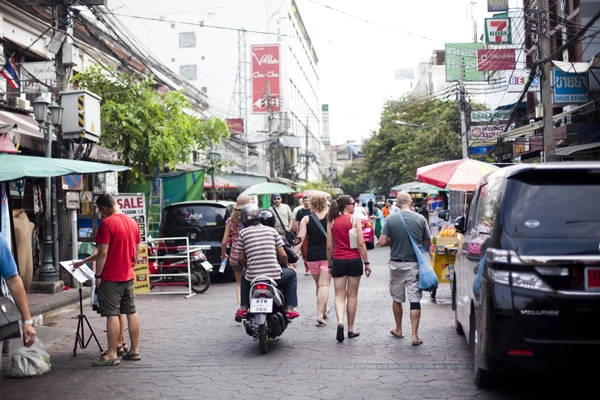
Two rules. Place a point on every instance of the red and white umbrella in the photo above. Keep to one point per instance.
(461, 174)
(311, 192)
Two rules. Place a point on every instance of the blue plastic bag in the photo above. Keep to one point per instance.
(428, 280)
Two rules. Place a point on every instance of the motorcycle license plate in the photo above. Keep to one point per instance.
(261, 305)
(207, 266)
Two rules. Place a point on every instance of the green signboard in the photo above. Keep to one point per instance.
(463, 57)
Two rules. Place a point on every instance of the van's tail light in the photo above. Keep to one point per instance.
(526, 280)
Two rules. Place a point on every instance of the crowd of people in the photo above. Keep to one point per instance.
(321, 231)
(255, 242)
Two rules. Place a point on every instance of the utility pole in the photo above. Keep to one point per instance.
(546, 81)
(463, 120)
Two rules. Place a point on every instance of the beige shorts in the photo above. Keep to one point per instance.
(404, 282)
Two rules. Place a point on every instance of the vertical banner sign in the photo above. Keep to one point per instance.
(463, 56)
(134, 205)
(265, 78)
(497, 31)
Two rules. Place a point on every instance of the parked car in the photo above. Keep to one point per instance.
(367, 226)
(527, 272)
(202, 222)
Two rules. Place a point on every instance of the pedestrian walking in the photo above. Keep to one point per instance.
(301, 213)
(378, 218)
(346, 262)
(118, 240)
(404, 281)
(229, 250)
(313, 231)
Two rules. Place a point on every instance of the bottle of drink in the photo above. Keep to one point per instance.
(223, 265)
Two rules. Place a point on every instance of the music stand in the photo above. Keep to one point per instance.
(81, 274)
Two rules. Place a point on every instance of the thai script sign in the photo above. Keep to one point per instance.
(570, 88)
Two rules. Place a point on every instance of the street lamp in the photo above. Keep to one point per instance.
(213, 157)
(41, 108)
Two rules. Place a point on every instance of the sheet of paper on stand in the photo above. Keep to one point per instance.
(82, 274)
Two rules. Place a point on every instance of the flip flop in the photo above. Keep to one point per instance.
(418, 342)
(321, 324)
(103, 362)
(394, 334)
(340, 333)
(129, 356)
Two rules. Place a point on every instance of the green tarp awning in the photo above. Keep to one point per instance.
(15, 166)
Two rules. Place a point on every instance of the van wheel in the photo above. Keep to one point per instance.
(472, 329)
(458, 326)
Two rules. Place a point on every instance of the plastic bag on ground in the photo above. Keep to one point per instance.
(29, 361)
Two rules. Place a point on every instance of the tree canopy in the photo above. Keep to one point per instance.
(412, 133)
(151, 129)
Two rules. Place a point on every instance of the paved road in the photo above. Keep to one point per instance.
(192, 348)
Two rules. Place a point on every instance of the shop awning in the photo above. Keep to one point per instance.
(27, 132)
(523, 130)
(15, 166)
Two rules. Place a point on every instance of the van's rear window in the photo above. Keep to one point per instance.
(553, 205)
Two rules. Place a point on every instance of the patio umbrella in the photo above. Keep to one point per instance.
(219, 183)
(267, 188)
(417, 187)
(15, 166)
(311, 192)
(461, 174)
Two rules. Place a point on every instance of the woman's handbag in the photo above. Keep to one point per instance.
(9, 319)
(427, 278)
(353, 235)
(289, 235)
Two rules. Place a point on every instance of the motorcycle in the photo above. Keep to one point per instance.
(171, 268)
(266, 317)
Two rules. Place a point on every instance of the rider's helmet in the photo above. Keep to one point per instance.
(250, 215)
(267, 218)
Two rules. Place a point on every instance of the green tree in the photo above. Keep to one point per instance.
(356, 178)
(149, 128)
(412, 133)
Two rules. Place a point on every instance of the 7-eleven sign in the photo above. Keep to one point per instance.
(497, 31)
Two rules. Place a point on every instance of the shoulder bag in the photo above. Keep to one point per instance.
(314, 217)
(427, 279)
(289, 235)
(353, 235)
(9, 319)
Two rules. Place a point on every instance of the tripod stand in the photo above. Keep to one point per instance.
(80, 337)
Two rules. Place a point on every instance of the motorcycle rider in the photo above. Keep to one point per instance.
(260, 246)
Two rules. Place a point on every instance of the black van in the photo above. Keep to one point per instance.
(202, 222)
(527, 273)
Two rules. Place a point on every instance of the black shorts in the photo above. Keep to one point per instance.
(352, 267)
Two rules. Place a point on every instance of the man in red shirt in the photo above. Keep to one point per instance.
(118, 240)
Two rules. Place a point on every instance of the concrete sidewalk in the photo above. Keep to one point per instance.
(44, 303)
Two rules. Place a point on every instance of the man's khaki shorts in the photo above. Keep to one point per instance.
(404, 282)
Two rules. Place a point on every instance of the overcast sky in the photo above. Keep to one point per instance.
(361, 43)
